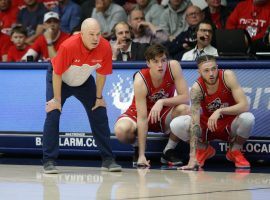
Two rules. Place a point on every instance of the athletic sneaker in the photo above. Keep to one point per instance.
(110, 165)
(49, 167)
(238, 158)
(204, 154)
(135, 156)
(170, 158)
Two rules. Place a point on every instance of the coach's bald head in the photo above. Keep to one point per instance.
(90, 32)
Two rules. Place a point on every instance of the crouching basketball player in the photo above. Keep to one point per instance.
(224, 115)
(154, 104)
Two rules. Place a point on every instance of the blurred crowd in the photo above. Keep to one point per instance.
(32, 30)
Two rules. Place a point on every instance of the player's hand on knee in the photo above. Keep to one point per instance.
(99, 103)
(154, 115)
(53, 104)
(212, 121)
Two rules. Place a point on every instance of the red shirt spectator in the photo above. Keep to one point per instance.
(40, 45)
(8, 15)
(14, 54)
(18, 49)
(18, 3)
(250, 16)
(5, 44)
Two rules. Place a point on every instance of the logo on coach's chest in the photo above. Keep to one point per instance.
(76, 60)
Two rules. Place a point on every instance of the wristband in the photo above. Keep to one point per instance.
(50, 44)
(99, 97)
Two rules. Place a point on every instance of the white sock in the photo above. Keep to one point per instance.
(170, 145)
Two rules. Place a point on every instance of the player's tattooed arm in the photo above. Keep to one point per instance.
(195, 131)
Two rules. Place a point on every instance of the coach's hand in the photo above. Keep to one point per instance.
(53, 104)
(99, 103)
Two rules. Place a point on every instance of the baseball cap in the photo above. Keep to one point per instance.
(50, 15)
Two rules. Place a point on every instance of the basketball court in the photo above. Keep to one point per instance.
(22, 178)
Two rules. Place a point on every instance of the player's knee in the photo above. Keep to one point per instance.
(247, 119)
(180, 127)
(182, 109)
(246, 123)
(124, 134)
(119, 132)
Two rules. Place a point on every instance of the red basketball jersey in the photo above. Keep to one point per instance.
(165, 90)
(221, 98)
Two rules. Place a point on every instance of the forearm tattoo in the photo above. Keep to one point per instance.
(196, 97)
(197, 131)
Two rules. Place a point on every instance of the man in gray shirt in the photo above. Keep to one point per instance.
(108, 14)
(152, 10)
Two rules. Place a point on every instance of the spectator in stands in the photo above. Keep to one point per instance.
(19, 47)
(187, 39)
(46, 45)
(5, 45)
(108, 14)
(204, 32)
(173, 19)
(79, 2)
(266, 38)
(50, 4)
(31, 17)
(202, 4)
(145, 32)
(251, 15)
(216, 13)
(20, 4)
(87, 8)
(129, 5)
(152, 10)
(123, 48)
(70, 14)
(8, 15)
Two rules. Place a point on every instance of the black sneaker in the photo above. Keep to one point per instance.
(170, 158)
(110, 165)
(49, 168)
(135, 156)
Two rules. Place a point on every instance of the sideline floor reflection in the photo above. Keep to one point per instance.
(28, 182)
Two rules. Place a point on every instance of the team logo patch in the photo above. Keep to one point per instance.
(161, 94)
